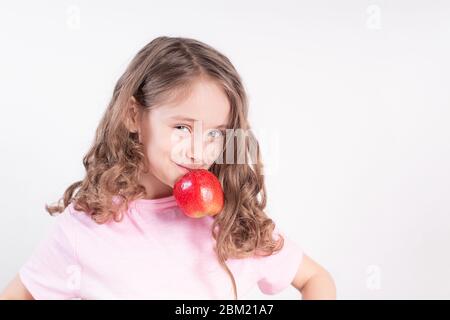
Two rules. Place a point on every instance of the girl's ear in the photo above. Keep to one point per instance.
(132, 115)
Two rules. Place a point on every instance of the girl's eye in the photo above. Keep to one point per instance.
(182, 128)
(217, 133)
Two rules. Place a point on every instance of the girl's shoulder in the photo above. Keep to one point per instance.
(71, 219)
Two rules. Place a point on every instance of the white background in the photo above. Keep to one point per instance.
(350, 101)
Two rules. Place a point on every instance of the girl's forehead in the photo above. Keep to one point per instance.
(205, 102)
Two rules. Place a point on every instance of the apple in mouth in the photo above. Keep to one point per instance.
(199, 193)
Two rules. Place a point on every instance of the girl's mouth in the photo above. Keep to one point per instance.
(185, 170)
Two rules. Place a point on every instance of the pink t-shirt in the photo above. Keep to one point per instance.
(155, 252)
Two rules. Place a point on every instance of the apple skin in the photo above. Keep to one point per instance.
(199, 193)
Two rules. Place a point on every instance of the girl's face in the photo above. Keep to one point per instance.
(188, 133)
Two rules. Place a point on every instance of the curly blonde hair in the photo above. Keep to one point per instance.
(116, 158)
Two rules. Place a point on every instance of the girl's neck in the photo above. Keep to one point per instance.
(154, 188)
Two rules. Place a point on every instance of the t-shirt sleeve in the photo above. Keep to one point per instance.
(52, 271)
(277, 271)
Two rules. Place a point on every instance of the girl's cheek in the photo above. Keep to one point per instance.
(178, 149)
(212, 152)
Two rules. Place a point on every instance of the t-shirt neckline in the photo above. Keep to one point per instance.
(155, 204)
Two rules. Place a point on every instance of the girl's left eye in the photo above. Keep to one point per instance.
(217, 133)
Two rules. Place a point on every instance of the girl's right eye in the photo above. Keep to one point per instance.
(181, 128)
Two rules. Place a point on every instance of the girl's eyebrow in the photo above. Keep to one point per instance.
(182, 118)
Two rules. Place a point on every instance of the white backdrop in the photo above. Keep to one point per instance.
(353, 97)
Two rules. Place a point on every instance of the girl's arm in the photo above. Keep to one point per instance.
(313, 281)
(16, 291)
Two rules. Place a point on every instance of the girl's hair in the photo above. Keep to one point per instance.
(159, 72)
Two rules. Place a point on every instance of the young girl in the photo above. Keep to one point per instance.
(120, 233)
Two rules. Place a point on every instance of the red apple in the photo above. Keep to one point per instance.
(199, 193)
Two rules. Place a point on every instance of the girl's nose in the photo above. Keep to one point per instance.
(196, 150)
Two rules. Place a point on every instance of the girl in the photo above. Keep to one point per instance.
(120, 233)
